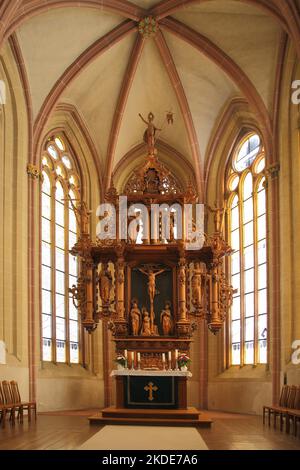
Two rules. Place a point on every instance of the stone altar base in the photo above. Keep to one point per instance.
(153, 417)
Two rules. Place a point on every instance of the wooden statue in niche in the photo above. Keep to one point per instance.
(135, 318)
(105, 284)
(152, 181)
(166, 319)
(196, 285)
(146, 323)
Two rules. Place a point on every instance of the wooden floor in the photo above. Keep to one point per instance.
(68, 430)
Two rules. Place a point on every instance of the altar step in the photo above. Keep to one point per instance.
(189, 417)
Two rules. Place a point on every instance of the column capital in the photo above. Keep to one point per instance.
(273, 171)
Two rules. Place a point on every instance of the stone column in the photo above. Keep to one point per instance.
(274, 339)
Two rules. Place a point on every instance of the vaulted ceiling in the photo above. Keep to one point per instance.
(91, 55)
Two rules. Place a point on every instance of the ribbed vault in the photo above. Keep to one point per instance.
(205, 54)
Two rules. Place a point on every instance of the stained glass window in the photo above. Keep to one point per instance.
(247, 233)
(60, 325)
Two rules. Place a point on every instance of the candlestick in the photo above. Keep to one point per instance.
(139, 360)
(170, 360)
(176, 359)
(164, 360)
(132, 360)
(126, 358)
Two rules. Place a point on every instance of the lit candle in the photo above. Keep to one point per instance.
(139, 357)
(125, 354)
(163, 358)
(132, 360)
(176, 354)
(169, 356)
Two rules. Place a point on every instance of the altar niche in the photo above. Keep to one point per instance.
(151, 288)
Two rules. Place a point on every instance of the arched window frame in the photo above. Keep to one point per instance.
(259, 267)
(68, 316)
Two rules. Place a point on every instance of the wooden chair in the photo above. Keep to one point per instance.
(2, 408)
(277, 409)
(28, 405)
(294, 413)
(6, 407)
(9, 399)
(290, 405)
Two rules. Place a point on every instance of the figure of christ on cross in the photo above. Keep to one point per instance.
(151, 388)
(151, 290)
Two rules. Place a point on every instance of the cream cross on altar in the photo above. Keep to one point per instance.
(151, 388)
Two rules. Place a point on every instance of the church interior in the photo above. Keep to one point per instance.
(150, 238)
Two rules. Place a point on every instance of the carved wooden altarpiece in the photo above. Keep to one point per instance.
(151, 288)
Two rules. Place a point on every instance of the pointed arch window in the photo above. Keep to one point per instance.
(247, 235)
(60, 182)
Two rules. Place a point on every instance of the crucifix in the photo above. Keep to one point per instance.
(151, 388)
(151, 290)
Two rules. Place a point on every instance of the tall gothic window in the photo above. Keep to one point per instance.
(60, 182)
(247, 234)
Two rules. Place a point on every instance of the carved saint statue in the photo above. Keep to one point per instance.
(135, 317)
(146, 323)
(196, 284)
(152, 181)
(82, 215)
(218, 217)
(105, 283)
(151, 281)
(149, 134)
(166, 319)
